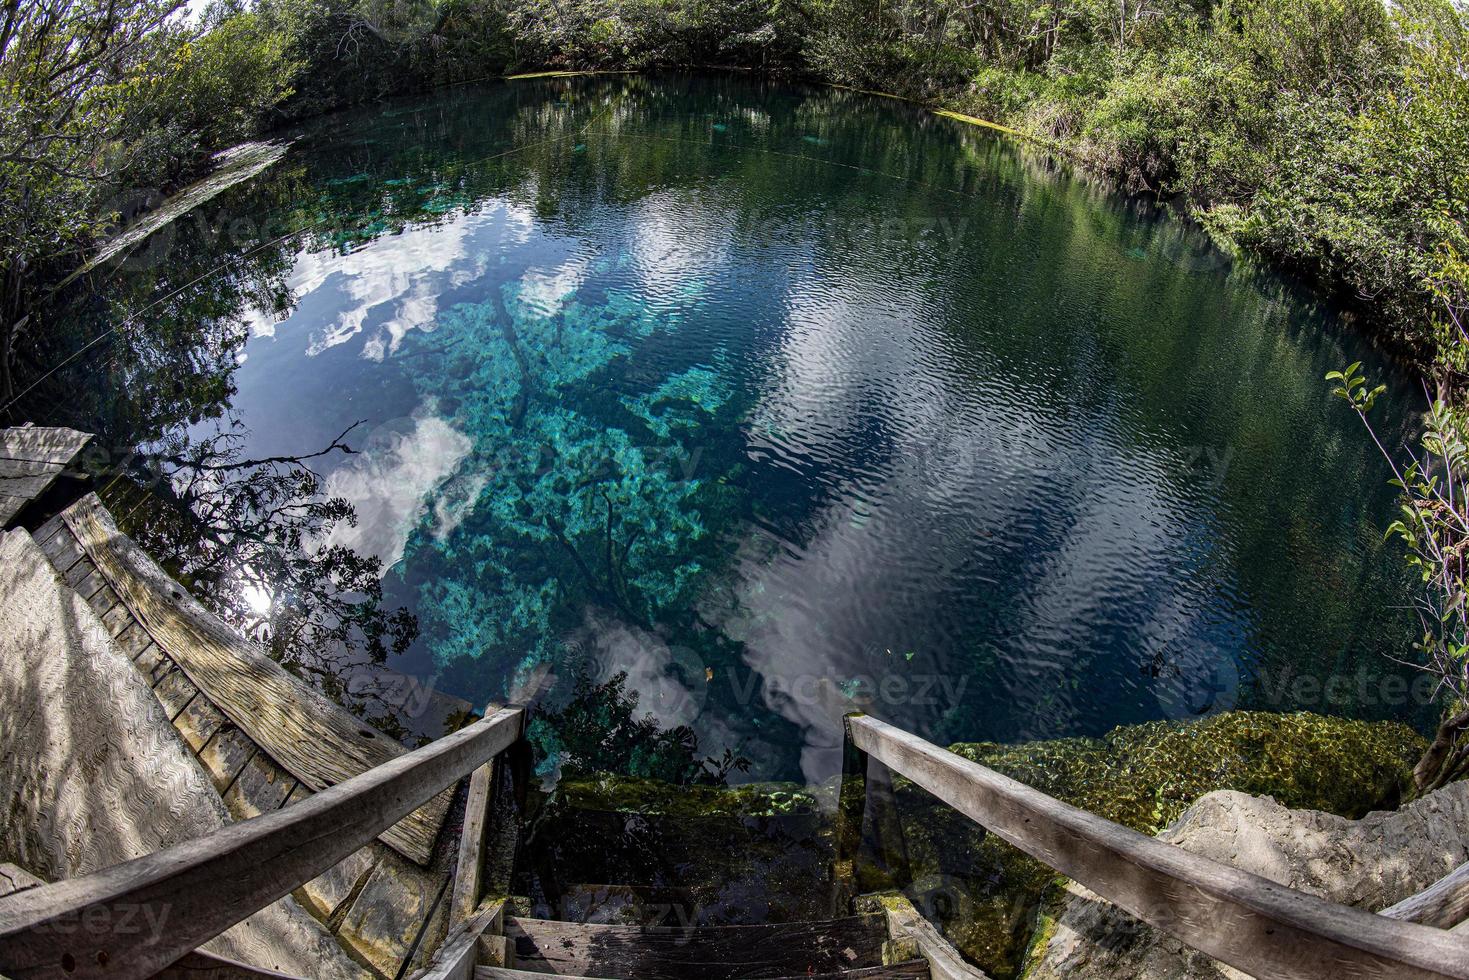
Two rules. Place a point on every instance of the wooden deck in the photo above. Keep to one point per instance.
(266, 739)
(31, 459)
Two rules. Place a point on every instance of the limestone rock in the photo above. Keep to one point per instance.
(1371, 863)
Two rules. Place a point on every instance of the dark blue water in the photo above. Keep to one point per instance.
(786, 402)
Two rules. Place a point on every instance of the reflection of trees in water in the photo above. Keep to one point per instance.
(599, 730)
(245, 535)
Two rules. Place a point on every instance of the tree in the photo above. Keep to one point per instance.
(1434, 528)
(100, 97)
(1400, 221)
(66, 67)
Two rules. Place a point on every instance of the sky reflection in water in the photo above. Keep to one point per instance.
(879, 412)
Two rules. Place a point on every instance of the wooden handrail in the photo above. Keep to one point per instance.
(1444, 904)
(134, 919)
(1242, 919)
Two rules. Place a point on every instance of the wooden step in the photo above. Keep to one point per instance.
(789, 949)
(726, 862)
(626, 905)
(31, 459)
(912, 970)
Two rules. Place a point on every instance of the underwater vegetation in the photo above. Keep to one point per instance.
(600, 731)
(573, 496)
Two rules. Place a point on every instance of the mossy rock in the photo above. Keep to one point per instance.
(988, 895)
(1145, 776)
(628, 794)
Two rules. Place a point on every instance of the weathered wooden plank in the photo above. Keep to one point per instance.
(103, 601)
(470, 871)
(1246, 921)
(312, 738)
(850, 816)
(916, 970)
(39, 444)
(208, 884)
(24, 486)
(224, 755)
(117, 619)
(719, 952)
(64, 552)
(198, 723)
(84, 579)
(9, 507)
(174, 692)
(14, 878)
(30, 461)
(14, 469)
(200, 965)
(511, 778)
(132, 640)
(148, 658)
(49, 530)
(1443, 904)
(326, 893)
(389, 911)
(435, 929)
(161, 669)
(460, 952)
(905, 923)
(262, 786)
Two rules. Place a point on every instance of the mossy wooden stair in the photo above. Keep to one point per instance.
(907, 970)
(832, 947)
(614, 851)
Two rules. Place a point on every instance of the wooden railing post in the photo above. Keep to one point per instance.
(514, 771)
(885, 821)
(871, 848)
(851, 810)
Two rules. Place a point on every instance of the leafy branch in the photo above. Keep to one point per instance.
(1433, 526)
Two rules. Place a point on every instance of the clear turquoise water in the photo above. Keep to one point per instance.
(785, 402)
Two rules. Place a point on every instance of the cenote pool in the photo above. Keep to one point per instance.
(781, 402)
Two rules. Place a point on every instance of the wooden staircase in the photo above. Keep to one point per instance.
(915, 969)
(383, 903)
(852, 946)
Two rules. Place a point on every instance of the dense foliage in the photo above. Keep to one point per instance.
(1331, 134)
